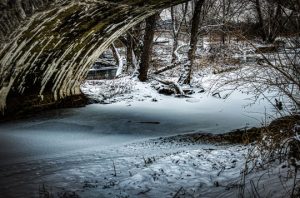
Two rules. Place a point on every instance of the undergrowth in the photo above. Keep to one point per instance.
(277, 146)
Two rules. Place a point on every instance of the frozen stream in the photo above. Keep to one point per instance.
(95, 126)
(64, 148)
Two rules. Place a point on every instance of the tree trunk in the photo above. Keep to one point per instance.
(116, 54)
(176, 29)
(223, 39)
(272, 24)
(275, 25)
(129, 51)
(186, 77)
(118, 59)
(175, 34)
(147, 48)
(260, 20)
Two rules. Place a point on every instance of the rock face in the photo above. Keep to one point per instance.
(47, 46)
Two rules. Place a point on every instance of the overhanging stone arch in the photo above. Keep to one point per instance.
(50, 52)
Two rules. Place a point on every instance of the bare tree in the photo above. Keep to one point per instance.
(177, 26)
(271, 18)
(118, 59)
(129, 50)
(185, 78)
(147, 47)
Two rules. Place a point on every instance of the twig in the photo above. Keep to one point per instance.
(294, 184)
(253, 187)
(177, 192)
(115, 172)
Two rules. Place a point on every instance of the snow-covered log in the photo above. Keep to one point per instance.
(175, 85)
(166, 68)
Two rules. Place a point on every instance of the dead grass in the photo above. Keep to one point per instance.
(279, 144)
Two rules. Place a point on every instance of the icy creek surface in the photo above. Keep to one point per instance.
(109, 150)
(97, 126)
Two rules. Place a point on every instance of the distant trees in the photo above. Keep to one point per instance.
(189, 22)
(271, 18)
(290, 4)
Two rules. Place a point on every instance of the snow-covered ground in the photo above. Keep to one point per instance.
(126, 146)
(135, 110)
(235, 101)
(75, 149)
(151, 168)
(142, 113)
(160, 167)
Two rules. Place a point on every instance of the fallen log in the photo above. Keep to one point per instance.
(166, 68)
(175, 85)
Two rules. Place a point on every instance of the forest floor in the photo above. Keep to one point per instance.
(197, 164)
(129, 146)
(188, 165)
(176, 166)
(191, 164)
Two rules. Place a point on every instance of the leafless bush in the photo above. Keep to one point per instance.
(275, 76)
(101, 90)
(279, 145)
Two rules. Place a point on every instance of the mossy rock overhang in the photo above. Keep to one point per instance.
(47, 46)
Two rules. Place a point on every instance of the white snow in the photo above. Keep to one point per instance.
(75, 150)
(125, 147)
(149, 168)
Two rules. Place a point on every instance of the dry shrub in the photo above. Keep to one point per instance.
(278, 145)
(278, 140)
